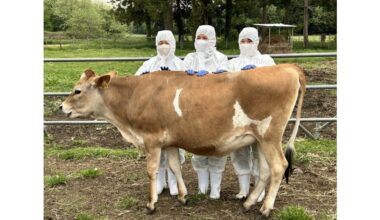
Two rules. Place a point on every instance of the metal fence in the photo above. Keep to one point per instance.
(314, 135)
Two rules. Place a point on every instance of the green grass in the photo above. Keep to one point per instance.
(79, 142)
(90, 152)
(55, 180)
(128, 202)
(311, 150)
(89, 173)
(294, 213)
(195, 198)
(87, 216)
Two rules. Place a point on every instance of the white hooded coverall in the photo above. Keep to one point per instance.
(242, 158)
(165, 58)
(207, 58)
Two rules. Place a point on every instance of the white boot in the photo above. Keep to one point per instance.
(161, 180)
(172, 182)
(216, 180)
(243, 185)
(202, 181)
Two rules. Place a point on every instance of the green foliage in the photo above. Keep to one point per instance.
(55, 180)
(128, 202)
(82, 19)
(90, 152)
(85, 21)
(294, 213)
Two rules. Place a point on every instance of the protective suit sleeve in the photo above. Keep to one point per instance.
(146, 67)
(188, 61)
(266, 60)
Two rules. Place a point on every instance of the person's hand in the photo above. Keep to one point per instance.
(145, 72)
(220, 71)
(202, 73)
(248, 67)
(163, 68)
(190, 72)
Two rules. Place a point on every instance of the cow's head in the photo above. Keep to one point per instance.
(85, 100)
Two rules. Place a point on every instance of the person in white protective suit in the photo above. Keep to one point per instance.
(207, 60)
(165, 60)
(242, 160)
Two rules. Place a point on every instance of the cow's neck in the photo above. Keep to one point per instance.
(116, 99)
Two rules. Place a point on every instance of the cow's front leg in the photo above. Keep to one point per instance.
(153, 162)
(175, 166)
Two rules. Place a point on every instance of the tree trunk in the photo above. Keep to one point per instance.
(168, 15)
(148, 27)
(228, 22)
(287, 16)
(306, 24)
(264, 20)
(179, 24)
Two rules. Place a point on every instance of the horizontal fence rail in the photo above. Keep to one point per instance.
(311, 87)
(117, 59)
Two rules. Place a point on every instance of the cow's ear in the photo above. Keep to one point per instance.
(88, 73)
(102, 81)
(113, 73)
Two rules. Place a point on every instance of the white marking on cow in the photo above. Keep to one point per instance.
(176, 102)
(240, 119)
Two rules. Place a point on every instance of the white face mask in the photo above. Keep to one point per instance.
(248, 49)
(163, 49)
(201, 45)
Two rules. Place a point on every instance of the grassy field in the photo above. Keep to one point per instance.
(61, 76)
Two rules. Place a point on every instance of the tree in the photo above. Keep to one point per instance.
(306, 24)
(228, 22)
(85, 21)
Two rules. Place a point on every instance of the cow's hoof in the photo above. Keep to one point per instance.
(183, 201)
(149, 211)
(265, 212)
(244, 209)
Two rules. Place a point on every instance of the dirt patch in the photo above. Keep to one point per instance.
(312, 187)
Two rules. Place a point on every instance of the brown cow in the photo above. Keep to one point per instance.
(212, 115)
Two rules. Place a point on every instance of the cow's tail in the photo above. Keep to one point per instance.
(290, 149)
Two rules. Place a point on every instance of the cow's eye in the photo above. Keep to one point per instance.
(77, 91)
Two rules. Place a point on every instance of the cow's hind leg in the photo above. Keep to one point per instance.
(175, 166)
(277, 165)
(153, 161)
(264, 175)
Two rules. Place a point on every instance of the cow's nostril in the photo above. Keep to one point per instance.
(60, 107)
